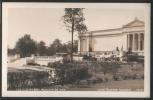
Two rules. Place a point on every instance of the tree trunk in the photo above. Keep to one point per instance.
(72, 42)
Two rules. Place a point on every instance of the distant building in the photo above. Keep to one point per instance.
(128, 37)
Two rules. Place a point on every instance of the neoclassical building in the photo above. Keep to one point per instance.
(128, 37)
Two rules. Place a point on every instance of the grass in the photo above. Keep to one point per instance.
(123, 85)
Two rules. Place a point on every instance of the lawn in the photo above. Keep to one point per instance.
(123, 85)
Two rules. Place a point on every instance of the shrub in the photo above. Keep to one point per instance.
(55, 64)
(70, 72)
(33, 64)
(66, 59)
(26, 80)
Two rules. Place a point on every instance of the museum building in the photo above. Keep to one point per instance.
(128, 37)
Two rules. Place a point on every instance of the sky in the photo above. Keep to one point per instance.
(46, 23)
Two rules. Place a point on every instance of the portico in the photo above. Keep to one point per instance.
(135, 41)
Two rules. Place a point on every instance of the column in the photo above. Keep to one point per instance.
(136, 41)
(87, 44)
(83, 44)
(139, 39)
(79, 43)
(142, 41)
(133, 48)
(128, 42)
(131, 42)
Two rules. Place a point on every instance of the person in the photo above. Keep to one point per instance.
(117, 49)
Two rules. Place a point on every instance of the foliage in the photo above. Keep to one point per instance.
(76, 72)
(41, 48)
(73, 20)
(66, 59)
(11, 51)
(70, 72)
(104, 67)
(26, 80)
(55, 47)
(26, 46)
(69, 44)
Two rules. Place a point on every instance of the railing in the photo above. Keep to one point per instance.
(43, 60)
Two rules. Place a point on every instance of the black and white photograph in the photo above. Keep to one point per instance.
(76, 50)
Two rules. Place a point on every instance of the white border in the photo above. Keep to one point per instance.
(129, 94)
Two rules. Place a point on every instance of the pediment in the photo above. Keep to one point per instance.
(134, 23)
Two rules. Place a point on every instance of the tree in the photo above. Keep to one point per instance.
(41, 48)
(11, 51)
(26, 46)
(65, 49)
(51, 51)
(75, 46)
(55, 47)
(73, 20)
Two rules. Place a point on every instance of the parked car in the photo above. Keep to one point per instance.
(86, 57)
(77, 58)
(99, 57)
(104, 57)
(132, 57)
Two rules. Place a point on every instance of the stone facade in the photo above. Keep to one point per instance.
(128, 37)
